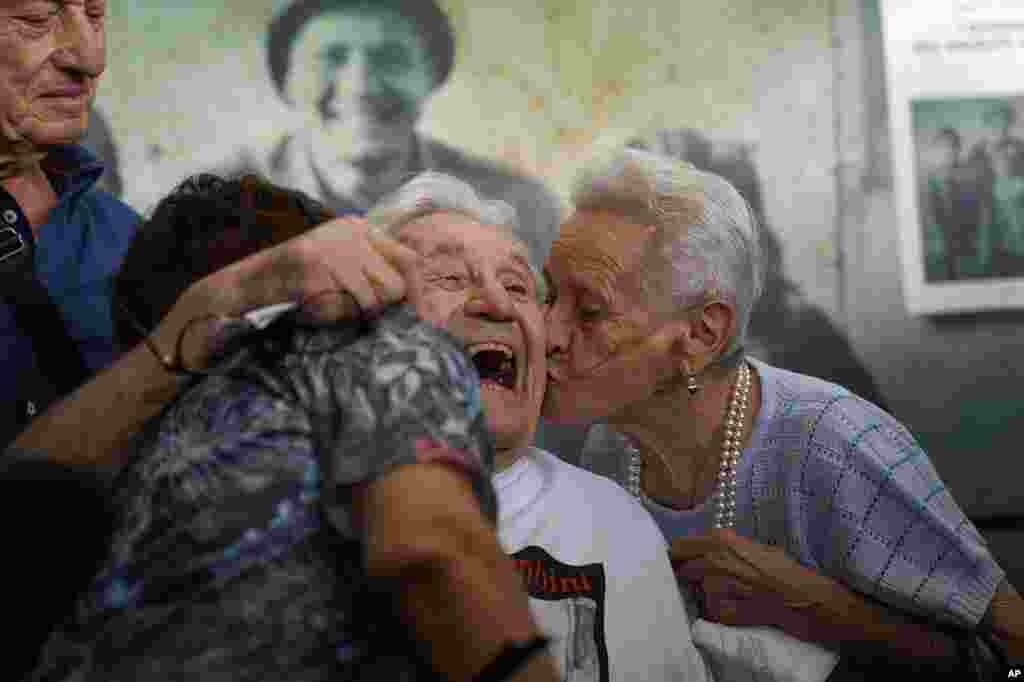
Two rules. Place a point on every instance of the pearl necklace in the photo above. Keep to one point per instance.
(725, 492)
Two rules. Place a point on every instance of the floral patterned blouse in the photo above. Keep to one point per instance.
(235, 556)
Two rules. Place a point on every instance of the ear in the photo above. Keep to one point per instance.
(711, 331)
(696, 341)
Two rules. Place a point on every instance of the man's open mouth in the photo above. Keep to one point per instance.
(495, 363)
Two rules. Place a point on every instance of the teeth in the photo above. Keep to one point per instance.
(478, 347)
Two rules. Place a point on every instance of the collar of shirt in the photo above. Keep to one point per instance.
(78, 248)
(76, 245)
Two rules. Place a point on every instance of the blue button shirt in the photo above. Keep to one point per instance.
(78, 250)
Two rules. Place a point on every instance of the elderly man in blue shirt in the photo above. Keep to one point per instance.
(60, 238)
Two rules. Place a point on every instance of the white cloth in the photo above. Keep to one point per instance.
(596, 567)
(744, 654)
(761, 654)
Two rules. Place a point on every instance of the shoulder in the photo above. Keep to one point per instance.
(118, 214)
(584, 481)
(820, 403)
(604, 453)
(400, 339)
(603, 499)
(109, 223)
(222, 424)
(824, 423)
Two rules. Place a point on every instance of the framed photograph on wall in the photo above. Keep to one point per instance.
(957, 119)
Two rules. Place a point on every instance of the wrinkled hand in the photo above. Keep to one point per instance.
(345, 254)
(743, 582)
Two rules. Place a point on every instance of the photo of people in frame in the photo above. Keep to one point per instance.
(970, 171)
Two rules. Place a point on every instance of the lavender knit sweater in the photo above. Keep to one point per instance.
(847, 491)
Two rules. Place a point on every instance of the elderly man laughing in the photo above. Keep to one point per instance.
(592, 594)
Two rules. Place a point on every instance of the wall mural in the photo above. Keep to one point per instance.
(361, 72)
(345, 99)
(513, 96)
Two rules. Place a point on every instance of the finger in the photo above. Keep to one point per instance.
(359, 289)
(694, 570)
(349, 222)
(726, 612)
(388, 283)
(331, 306)
(688, 548)
(728, 586)
(400, 256)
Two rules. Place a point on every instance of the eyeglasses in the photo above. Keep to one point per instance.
(211, 344)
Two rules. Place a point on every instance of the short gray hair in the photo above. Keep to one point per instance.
(432, 192)
(706, 241)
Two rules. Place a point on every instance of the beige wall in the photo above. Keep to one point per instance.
(537, 83)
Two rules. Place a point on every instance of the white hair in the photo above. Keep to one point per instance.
(432, 192)
(706, 243)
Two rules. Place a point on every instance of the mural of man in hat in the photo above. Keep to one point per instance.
(359, 72)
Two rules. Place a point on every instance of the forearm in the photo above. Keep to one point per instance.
(854, 626)
(460, 595)
(91, 427)
(465, 609)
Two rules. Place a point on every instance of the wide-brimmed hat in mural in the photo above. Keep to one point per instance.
(292, 15)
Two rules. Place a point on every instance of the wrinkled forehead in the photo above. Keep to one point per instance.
(448, 233)
(599, 242)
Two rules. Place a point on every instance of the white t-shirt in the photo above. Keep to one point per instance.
(597, 571)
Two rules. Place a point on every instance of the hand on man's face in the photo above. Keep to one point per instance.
(343, 255)
(51, 54)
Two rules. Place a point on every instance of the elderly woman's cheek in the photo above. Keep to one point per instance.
(611, 349)
(620, 335)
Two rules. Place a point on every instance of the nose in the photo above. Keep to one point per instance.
(490, 301)
(557, 331)
(356, 77)
(81, 44)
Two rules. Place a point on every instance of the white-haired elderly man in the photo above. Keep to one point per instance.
(593, 562)
(60, 238)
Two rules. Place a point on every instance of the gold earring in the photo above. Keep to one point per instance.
(691, 384)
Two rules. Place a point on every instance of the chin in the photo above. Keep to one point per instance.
(54, 133)
(554, 413)
(564, 408)
(510, 434)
